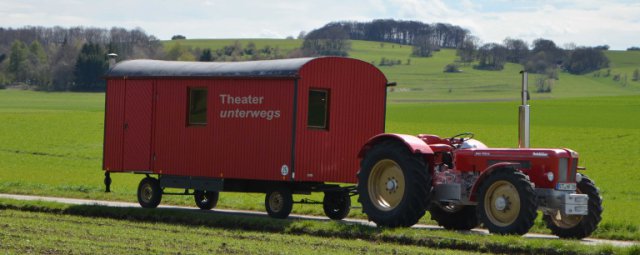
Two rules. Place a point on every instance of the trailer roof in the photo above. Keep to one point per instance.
(159, 68)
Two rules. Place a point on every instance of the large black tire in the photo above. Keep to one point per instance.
(578, 227)
(336, 204)
(206, 200)
(279, 202)
(454, 217)
(149, 193)
(507, 203)
(394, 185)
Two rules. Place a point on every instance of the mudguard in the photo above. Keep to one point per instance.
(413, 143)
(487, 172)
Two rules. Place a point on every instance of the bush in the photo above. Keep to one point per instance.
(452, 68)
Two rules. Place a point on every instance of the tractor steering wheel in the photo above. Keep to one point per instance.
(460, 138)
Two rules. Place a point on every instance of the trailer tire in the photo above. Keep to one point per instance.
(206, 200)
(578, 227)
(507, 203)
(454, 217)
(394, 185)
(149, 193)
(279, 203)
(336, 204)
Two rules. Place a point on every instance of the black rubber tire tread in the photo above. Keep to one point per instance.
(287, 206)
(336, 204)
(589, 222)
(463, 219)
(417, 181)
(156, 191)
(528, 204)
(206, 200)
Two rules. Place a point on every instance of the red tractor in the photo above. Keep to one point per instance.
(467, 184)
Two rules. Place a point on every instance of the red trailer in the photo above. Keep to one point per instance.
(276, 126)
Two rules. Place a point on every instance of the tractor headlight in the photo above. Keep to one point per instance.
(550, 176)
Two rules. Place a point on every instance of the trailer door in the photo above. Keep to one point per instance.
(137, 125)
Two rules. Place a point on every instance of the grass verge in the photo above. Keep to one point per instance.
(432, 239)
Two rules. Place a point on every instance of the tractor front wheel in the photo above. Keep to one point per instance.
(394, 185)
(507, 203)
(149, 193)
(578, 226)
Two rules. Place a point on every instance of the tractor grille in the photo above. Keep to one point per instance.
(567, 173)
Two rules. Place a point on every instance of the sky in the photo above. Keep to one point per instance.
(580, 22)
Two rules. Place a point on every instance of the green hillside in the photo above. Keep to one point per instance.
(423, 79)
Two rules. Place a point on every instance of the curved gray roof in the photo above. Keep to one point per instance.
(160, 68)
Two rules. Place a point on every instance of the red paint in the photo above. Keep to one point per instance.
(250, 128)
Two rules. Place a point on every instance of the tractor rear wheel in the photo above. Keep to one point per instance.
(394, 185)
(279, 202)
(454, 217)
(336, 204)
(206, 200)
(507, 202)
(578, 226)
(149, 193)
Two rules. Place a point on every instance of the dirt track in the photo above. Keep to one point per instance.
(588, 241)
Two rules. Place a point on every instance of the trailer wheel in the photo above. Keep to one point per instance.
(578, 226)
(279, 203)
(507, 203)
(454, 217)
(206, 200)
(394, 185)
(336, 204)
(149, 193)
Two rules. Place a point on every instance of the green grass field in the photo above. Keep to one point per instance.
(82, 229)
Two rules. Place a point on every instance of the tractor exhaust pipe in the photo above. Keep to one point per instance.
(523, 124)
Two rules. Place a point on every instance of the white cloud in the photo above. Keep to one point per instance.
(585, 22)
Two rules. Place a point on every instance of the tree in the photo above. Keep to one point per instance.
(517, 50)
(206, 56)
(491, 56)
(178, 37)
(38, 66)
(468, 50)
(585, 59)
(89, 68)
(331, 40)
(18, 61)
(424, 46)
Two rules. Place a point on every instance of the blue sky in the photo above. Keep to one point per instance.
(581, 22)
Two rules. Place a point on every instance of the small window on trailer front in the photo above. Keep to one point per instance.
(197, 106)
(318, 114)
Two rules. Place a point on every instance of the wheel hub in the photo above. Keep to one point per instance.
(392, 185)
(500, 203)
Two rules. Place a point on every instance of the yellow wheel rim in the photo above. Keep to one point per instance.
(502, 203)
(386, 185)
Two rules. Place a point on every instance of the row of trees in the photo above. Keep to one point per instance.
(544, 56)
(333, 38)
(68, 58)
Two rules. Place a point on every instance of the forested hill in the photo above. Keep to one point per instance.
(441, 35)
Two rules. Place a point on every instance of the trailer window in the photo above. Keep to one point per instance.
(318, 115)
(197, 106)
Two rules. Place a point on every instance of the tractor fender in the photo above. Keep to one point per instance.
(484, 174)
(414, 144)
